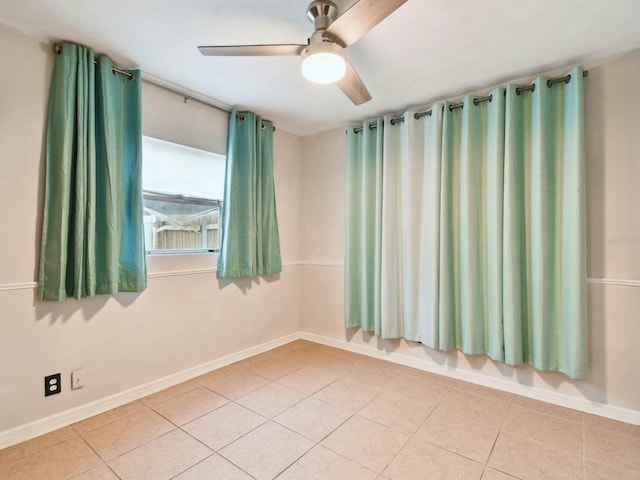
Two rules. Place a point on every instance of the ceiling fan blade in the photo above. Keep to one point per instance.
(353, 87)
(361, 17)
(250, 50)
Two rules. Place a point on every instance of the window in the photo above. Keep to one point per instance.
(183, 189)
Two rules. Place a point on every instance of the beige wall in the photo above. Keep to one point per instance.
(122, 341)
(613, 196)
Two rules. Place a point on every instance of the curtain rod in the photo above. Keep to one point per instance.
(57, 48)
(476, 101)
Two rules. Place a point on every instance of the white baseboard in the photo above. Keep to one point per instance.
(569, 401)
(76, 414)
(68, 417)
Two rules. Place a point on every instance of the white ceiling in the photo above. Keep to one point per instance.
(425, 51)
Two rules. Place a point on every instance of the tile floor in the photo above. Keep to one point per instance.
(305, 411)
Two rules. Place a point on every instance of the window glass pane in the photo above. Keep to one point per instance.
(183, 189)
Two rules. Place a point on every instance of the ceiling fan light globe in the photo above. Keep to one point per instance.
(323, 67)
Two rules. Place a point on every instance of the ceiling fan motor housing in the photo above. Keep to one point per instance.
(322, 13)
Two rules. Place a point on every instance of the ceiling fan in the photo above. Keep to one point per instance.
(323, 56)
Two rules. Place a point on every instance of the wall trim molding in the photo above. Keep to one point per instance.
(568, 401)
(314, 263)
(160, 274)
(614, 281)
(81, 412)
(18, 286)
(307, 263)
(598, 280)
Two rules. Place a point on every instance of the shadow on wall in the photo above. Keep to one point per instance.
(87, 308)
(523, 374)
(50, 60)
(245, 284)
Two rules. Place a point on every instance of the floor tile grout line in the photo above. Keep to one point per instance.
(495, 440)
(195, 418)
(554, 417)
(104, 462)
(144, 399)
(144, 407)
(23, 455)
(137, 446)
(235, 440)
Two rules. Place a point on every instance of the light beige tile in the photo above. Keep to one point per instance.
(432, 377)
(103, 472)
(529, 459)
(604, 471)
(609, 446)
(160, 459)
(461, 435)
(328, 362)
(417, 458)
(190, 405)
(594, 421)
(491, 474)
(348, 395)
(224, 425)
(163, 395)
(215, 375)
(116, 438)
(363, 364)
(484, 391)
(396, 412)
(267, 450)
(372, 377)
(214, 468)
(323, 464)
(365, 442)
(271, 400)
(552, 431)
(548, 409)
(475, 407)
(108, 417)
(23, 449)
(237, 384)
(418, 389)
(310, 379)
(276, 368)
(59, 462)
(313, 418)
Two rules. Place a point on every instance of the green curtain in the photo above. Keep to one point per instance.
(545, 307)
(364, 227)
(250, 244)
(92, 233)
(510, 280)
(470, 296)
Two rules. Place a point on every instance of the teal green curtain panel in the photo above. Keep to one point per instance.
(466, 227)
(470, 296)
(545, 299)
(92, 233)
(364, 228)
(250, 241)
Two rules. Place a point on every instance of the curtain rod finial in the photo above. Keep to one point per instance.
(57, 48)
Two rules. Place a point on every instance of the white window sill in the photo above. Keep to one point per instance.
(165, 265)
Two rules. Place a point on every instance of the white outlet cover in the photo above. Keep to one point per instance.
(77, 378)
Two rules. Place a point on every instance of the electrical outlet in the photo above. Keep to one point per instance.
(77, 378)
(52, 384)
